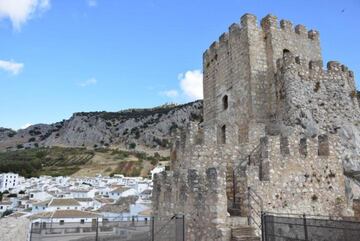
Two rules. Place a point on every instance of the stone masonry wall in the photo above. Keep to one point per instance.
(315, 102)
(241, 66)
(14, 229)
(274, 121)
(299, 183)
(200, 196)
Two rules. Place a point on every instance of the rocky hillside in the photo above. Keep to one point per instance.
(66, 161)
(133, 128)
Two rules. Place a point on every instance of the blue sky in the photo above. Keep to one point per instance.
(63, 56)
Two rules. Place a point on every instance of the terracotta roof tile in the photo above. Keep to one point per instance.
(64, 202)
(65, 214)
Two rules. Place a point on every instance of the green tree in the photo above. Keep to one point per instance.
(132, 145)
(7, 213)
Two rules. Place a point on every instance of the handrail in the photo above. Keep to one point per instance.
(255, 194)
(257, 202)
(257, 213)
(252, 193)
(253, 197)
(353, 175)
(257, 224)
(315, 216)
(252, 152)
(256, 147)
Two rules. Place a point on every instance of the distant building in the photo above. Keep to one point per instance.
(62, 217)
(40, 206)
(157, 170)
(145, 195)
(63, 204)
(39, 195)
(5, 206)
(82, 193)
(8, 181)
(46, 194)
(121, 191)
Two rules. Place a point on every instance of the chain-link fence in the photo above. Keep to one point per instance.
(126, 229)
(309, 228)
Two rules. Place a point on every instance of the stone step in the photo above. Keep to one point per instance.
(245, 238)
(234, 211)
(237, 233)
(235, 221)
(243, 230)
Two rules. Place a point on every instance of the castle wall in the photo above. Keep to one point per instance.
(275, 121)
(299, 183)
(200, 195)
(318, 100)
(241, 66)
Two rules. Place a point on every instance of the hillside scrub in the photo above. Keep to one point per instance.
(60, 161)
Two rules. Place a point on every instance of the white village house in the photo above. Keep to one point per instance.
(8, 181)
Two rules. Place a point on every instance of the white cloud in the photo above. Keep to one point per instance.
(92, 3)
(20, 11)
(25, 126)
(88, 82)
(191, 83)
(170, 93)
(11, 66)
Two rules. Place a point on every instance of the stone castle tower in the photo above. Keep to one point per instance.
(239, 72)
(274, 121)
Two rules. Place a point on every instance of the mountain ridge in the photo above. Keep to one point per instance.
(144, 128)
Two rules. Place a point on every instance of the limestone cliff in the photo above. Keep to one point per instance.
(147, 128)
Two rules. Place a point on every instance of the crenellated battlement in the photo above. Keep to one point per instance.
(312, 170)
(311, 67)
(298, 146)
(271, 22)
(268, 23)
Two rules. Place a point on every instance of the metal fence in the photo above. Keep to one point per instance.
(168, 229)
(277, 227)
(125, 229)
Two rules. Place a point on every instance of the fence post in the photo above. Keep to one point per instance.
(97, 229)
(305, 228)
(183, 227)
(179, 227)
(249, 206)
(263, 227)
(31, 231)
(152, 228)
(234, 188)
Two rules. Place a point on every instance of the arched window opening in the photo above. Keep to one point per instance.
(284, 146)
(285, 52)
(243, 133)
(223, 135)
(323, 142)
(303, 147)
(225, 102)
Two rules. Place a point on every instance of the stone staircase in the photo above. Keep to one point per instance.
(234, 208)
(234, 211)
(241, 231)
(244, 233)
